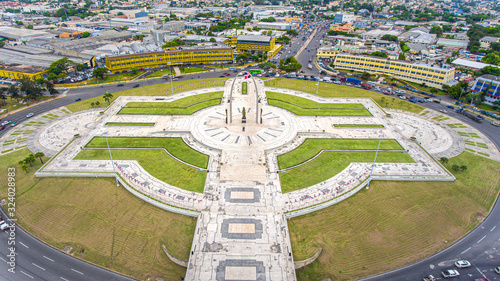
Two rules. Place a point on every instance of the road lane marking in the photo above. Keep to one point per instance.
(481, 239)
(49, 259)
(480, 272)
(64, 279)
(38, 266)
(465, 250)
(27, 274)
(24, 245)
(77, 271)
(493, 228)
(2, 259)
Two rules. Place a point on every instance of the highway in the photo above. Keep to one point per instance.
(38, 261)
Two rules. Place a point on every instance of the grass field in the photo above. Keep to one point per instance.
(311, 147)
(184, 106)
(328, 164)
(176, 146)
(394, 223)
(191, 69)
(244, 88)
(152, 90)
(128, 124)
(359, 125)
(332, 90)
(302, 106)
(105, 221)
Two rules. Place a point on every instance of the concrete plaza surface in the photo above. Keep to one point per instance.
(242, 231)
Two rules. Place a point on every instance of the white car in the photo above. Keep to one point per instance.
(450, 273)
(29, 115)
(497, 270)
(337, 82)
(5, 122)
(462, 264)
(3, 225)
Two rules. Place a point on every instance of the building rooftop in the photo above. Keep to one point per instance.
(22, 68)
(184, 49)
(256, 38)
(471, 64)
(489, 39)
(490, 77)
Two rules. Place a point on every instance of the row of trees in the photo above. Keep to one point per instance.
(454, 167)
(30, 160)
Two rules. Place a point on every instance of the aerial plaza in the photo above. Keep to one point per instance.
(243, 162)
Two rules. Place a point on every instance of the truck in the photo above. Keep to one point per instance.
(352, 80)
(470, 115)
(366, 86)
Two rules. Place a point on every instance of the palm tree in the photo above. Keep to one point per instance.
(455, 167)
(107, 96)
(92, 104)
(463, 168)
(24, 167)
(40, 155)
(30, 159)
(21, 163)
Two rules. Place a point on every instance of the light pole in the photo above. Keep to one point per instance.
(373, 166)
(112, 164)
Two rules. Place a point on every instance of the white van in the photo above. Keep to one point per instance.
(327, 79)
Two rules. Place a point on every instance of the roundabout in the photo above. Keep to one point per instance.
(242, 230)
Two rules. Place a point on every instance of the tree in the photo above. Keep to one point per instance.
(443, 160)
(267, 65)
(29, 26)
(401, 56)
(99, 72)
(30, 89)
(3, 95)
(85, 34)
(134, 69)
(242, 57)
(2, 44)
(365, 75)
(463, 168)
(213, 40)
(39, 155)
(289, 64)
(119, 14)
(97, 103)
(107, 96)
(379, 54)
(434, 90)
(92, 104)
(455, 167)
(436, 29)
(292, 32)
(24, 167)
(21, 162)
(389, 37)
(13, 91)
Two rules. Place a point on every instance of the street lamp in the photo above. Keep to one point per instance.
(112, 164)
(171, 78)
(373, 166)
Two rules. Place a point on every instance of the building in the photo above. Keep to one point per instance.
(490, 84)
(275, 25)
(453, 43)
(344, 27)
(487, 40)
(255, 44)
(130, 14)
(474, 65)
(414, 72)
(174, 57)
(344, 18)
(418, 35)
(19, 35)
(18, 71)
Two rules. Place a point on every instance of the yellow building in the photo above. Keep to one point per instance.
(414, 72)
(174, 57)
(255, 44)
(18, 71)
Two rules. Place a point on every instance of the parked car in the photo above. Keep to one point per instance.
(136, 86)
(430, 278)
(450, 106)
(462, 264)
(495, 123)
(78, 99)
(3, 127)
(119, 85)
(29, 115)
(450, 273)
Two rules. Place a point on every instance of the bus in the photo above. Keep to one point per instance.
(253, 71)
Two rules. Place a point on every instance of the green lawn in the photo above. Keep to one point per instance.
(160, 73)
(332, 90)
(359, 125)
(120, 77)
(105, 225)
(176, 146)
(244, 87)
(394, 223)
(311, 147)
(303, 106)
(184, 106)
(152, 90)
(128, 124)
